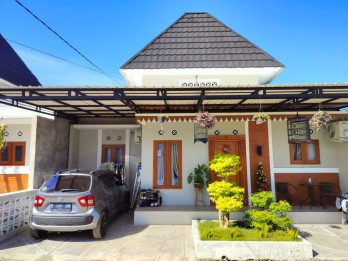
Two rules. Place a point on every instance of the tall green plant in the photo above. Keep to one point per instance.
(3, 129)
(227, 196)
(200, 175)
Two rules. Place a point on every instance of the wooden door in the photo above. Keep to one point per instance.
(114, 153)
(230, 144)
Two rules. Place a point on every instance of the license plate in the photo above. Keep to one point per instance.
(61, 207)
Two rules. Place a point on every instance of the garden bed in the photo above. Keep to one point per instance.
(243, 250)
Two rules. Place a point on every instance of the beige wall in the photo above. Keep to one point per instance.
(342, 158)
(87, 154)
(116, 137)
(281, 155)
(174, 80)
(192, 154)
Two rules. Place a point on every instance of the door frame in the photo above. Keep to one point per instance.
(242, 153)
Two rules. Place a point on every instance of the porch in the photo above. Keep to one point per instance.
(183, 215)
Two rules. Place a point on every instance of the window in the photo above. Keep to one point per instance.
(13, 154)
(167, 164)
(305, 153)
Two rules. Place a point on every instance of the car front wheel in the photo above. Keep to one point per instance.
(37, 234)
(100, 230)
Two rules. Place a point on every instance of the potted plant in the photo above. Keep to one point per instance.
(320, 120)
(200, 176)
(260, 117)
(205, 119)
(162, 118)
(3, 129)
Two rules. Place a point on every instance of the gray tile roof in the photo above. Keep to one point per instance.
(199, 40)
(12, 68)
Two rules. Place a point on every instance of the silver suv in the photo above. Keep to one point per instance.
(75, 200)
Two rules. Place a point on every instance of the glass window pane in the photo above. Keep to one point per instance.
(108, 154)
(311, 151)
(119, 155)
(174, 175)
(160, 164)
(297, 151)
(5, 154)
(18, 153)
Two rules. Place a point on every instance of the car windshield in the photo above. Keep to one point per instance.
(67, 183)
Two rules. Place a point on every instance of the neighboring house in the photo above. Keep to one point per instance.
(198, 63)
(29, 132)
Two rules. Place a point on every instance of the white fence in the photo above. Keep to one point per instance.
(15, 209)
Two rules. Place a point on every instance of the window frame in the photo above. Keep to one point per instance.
(304, 150)
(114, 148)
(11, 145)
(167, 161)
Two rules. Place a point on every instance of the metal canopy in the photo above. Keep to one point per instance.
(118, 102)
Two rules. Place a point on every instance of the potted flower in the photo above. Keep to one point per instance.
(3, 129)
(205, 119)
(162, 118)
(200, 176)
(260, 117)
(320, 120)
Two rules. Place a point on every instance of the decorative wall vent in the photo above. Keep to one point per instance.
(200, 83)
(298, 130)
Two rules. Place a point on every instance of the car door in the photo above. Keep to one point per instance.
(111, 190)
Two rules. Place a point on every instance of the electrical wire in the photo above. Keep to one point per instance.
(60, 58)
(65, 41)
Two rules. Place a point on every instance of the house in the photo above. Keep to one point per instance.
(197, 63)
(196, 51)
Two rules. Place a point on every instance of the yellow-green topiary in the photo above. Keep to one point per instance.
(3, 129)
(226, 195)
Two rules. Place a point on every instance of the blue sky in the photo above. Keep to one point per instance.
(309, 37)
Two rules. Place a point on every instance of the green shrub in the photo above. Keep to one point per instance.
(264, 231)
(273, 214)
(292, 233)
(261, 199)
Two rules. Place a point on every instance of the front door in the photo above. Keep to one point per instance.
(230, 144)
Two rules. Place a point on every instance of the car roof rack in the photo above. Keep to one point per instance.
(67, 171)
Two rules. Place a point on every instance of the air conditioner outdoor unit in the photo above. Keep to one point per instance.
(137, 136)
(337, 131)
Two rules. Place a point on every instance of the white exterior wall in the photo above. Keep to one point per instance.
(116, 136)
(281, 154)
(86, 142)
(192, 155)
(87, 154)
(174, 80)
(342, 152)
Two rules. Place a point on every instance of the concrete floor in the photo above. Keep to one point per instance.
(125, 241)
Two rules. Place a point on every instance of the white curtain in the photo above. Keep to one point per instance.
(297, 151)
(174, 165)
(311, 151)
(160, 164)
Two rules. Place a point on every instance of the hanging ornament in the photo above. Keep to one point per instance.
(260, 117)
(205, 119)
(320, 119)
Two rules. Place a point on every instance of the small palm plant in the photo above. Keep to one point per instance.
(200, 175)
